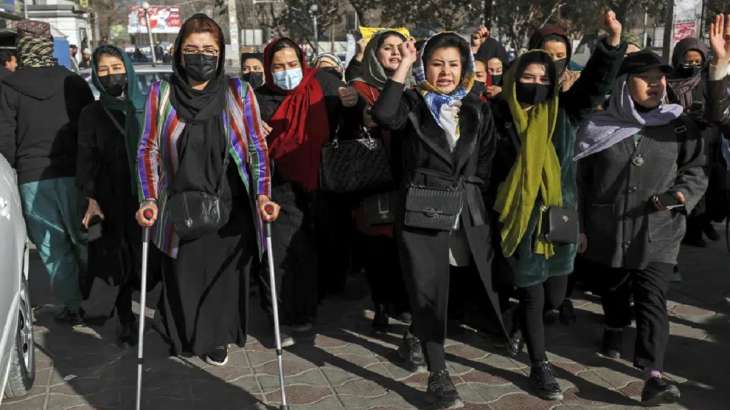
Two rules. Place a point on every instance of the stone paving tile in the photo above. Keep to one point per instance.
(300, 394)
(311, 377)
(36, 402)
(520, 401)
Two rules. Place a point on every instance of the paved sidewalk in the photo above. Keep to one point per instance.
(344, 367)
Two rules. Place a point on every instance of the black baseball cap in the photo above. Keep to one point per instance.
(643, 61)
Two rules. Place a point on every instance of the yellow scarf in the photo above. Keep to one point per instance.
(536, 170)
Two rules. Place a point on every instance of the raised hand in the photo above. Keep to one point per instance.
(613, 27)
(408, 52)
(478, 37)
(720, 39)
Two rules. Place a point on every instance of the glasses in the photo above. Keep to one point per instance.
(208, 51)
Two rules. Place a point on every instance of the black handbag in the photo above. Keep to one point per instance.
(559, 225)
(361, 164)
(433, 208)
(197, 213)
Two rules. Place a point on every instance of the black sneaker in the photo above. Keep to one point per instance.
(611, 343)
(442, 393)
(380, 324)
(567, 313)
(410, 353)
(218, 357)
(551, 316)
(544, 383)
(70, 317)
(658, 391)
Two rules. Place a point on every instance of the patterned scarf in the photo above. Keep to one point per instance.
(36, 51)
(435, 99)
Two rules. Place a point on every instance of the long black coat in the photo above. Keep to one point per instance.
(103, 174)
(425, 253)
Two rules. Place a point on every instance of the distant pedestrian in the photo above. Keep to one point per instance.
(40, 105)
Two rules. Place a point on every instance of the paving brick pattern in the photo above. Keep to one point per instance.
(342, 365)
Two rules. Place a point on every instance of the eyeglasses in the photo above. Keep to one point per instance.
(208, 51)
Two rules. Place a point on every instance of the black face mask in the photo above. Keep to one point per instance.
(689, 70)
(200, 67)
(255, 79)
(497, 80)
(114, 84)
(532, 94)
(560, 65)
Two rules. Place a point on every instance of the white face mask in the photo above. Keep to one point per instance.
(288, 79)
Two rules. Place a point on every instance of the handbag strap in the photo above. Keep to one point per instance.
(114, 120)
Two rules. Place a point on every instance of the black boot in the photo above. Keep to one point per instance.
(658, 391)
(381, 323)
(612, 343)
(410, 353)
(567, 313)
(128, 332)
(442, 393)
(543, 381)
(71, 317)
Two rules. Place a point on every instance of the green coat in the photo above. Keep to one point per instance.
(596, 81)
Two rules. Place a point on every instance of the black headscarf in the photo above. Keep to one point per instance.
(191, 104)
(202, 144)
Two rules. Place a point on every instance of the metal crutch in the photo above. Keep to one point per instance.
(142, 307)
(275, 306)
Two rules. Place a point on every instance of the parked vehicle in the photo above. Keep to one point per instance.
(17, 355)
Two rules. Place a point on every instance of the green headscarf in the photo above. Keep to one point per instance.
(131, 104)
(536, 171)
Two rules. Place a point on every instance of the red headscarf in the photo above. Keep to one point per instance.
(300, 125)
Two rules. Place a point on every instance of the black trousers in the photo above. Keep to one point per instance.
(535, 300)
(649, 287)
(380, 260)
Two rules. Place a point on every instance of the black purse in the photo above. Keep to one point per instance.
(197, 213)
(361, 164)
(433, 208)
(560, 225)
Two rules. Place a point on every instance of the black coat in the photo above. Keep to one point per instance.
(39, 112)
(424, 146)
(103, 174)
(623, 227)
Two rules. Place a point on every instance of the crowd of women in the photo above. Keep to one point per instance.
(505, 177)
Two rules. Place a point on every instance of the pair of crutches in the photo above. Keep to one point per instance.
(143, 303)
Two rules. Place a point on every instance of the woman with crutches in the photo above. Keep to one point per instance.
(204, 173)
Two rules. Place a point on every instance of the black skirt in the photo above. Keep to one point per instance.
(204, 302)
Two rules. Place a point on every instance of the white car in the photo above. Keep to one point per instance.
(17, 356)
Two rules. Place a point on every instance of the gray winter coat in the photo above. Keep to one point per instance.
(623, 227)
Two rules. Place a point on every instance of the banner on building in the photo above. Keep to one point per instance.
(163, 19)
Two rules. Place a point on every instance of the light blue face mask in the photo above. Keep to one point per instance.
(288, 79)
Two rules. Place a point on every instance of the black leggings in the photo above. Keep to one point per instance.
(534, 300)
